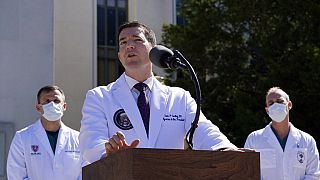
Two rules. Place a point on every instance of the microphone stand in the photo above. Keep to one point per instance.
(181, 62)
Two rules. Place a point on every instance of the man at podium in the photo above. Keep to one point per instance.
(137, 110)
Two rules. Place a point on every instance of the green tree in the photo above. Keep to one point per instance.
(240, 49)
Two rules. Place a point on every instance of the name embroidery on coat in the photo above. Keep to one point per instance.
(173, 117)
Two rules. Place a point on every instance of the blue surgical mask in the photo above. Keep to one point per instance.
(278, 112)
(52, 111)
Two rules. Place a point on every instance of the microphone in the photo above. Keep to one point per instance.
(163, 57)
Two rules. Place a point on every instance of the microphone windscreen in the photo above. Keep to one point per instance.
(159, 56)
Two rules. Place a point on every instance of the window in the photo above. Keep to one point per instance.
(179, 19)
(110, 14)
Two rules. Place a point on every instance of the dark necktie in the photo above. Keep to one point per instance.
(143, 105)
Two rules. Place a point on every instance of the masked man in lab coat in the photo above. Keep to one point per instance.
(47, 149)
(286, 153)
(137, 110)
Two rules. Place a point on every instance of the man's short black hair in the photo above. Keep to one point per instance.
(148, 33)
(49, 88)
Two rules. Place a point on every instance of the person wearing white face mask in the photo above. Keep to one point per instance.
(53, 111)
(47, 149)
(286, 153)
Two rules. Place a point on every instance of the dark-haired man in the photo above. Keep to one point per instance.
(47, 149)
(137, 110)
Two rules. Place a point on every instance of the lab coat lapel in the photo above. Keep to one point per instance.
(158, 104)
(62, 139)
(272, 139)
(293, 138)
(41, 135)
(124, 96)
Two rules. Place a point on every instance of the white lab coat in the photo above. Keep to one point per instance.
(172, 110)
(299, 160)
(31, 156)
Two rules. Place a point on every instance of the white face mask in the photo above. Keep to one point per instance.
(278, 112)
(52, 111)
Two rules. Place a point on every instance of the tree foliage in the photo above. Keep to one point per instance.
(240, 49)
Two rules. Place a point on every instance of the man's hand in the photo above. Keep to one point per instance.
(238, 149)
(246, 150)
(118, 142)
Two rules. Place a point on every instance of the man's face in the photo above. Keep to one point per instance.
(47, 97)
(134, 50)
(277, 97)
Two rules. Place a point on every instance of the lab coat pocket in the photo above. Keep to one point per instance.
(72, 159)
(72, 164)
(298, 157)
(72, 156)
(267, 158)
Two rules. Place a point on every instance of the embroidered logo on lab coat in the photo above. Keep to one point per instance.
(300, 156)
(121, 120)
(35, 149)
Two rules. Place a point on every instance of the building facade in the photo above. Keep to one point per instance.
(69, 43)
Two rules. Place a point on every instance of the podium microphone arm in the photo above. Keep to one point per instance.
(163, 57)
(193, 76)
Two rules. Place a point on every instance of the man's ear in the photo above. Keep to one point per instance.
(38, 108)
(65, 106)
(289, 105)
(118, 55)
(267, 111)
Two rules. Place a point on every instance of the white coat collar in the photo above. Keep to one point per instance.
(159, 97)
(271, 138)
(293, 136)
(131, 82)
(41, 134)
(159, 100)
(64, 135)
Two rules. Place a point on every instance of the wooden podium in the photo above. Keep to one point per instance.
(166, 164)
